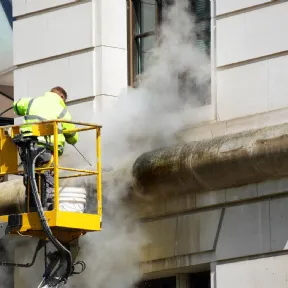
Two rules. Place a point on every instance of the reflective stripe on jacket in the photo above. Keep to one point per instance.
(47, 107)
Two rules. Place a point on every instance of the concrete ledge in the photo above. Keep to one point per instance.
(179, 264)
(204, 200)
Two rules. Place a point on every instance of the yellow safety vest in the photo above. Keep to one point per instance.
(50, 106)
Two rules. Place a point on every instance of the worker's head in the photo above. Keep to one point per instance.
(61, 92)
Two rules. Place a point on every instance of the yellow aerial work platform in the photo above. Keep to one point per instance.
(66, 226)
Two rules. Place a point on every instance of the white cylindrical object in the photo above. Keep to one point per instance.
(72, 199)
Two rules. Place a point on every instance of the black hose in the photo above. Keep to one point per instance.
(6, 111)
(7, 96)
(41, 215)
(45, 226)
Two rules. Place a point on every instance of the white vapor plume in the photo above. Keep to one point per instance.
(175, 82)
(148, 117)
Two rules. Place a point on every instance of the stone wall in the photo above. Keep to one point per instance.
(194, 230)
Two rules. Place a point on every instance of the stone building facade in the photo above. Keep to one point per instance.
(231, 237)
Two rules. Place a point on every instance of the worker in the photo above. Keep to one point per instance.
(50, 106)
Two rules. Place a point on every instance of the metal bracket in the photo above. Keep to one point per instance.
(15, 221)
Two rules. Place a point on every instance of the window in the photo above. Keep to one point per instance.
(145, 37)
(200, 280)
(169, 282)
(202, 11)
(144, 19)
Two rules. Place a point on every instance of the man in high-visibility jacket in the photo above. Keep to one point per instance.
(50, 106)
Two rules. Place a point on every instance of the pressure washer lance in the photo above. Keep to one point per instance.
(77, 151)
(82, 155)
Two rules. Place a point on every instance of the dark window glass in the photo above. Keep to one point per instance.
(147, 16)
(200, 280)
(169, 282)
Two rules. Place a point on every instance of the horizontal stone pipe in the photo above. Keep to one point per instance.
(228, 161)
(12, 198)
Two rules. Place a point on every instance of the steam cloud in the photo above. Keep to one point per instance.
(177, 80)
(148, 117)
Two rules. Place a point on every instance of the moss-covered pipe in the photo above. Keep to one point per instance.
(228, 161)
(12, 198)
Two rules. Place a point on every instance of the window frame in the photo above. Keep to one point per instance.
(133, 37)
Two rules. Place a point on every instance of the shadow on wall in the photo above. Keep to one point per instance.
(6, 273)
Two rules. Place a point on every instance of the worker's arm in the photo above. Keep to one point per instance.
(20, 106)
(70, 138)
